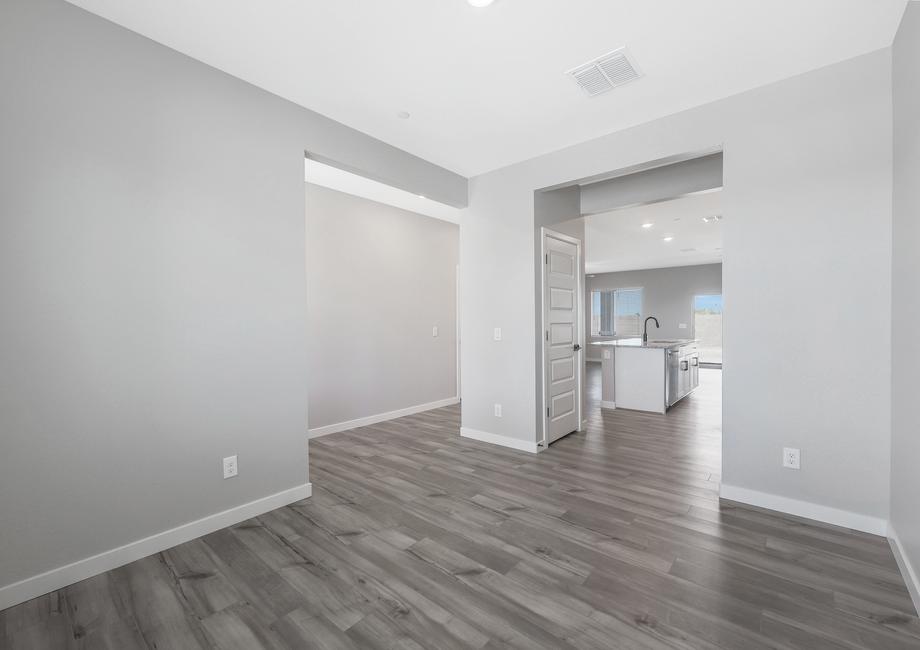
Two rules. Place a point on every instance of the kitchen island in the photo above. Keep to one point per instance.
(647, 375)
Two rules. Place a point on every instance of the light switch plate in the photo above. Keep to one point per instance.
(606, 354)
(434, 330)
(498, 410)
(682, 326)
(497, 334)
(231, 469)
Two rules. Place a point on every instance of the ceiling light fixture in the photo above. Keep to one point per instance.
(404, 115)
(667, 238)
(647, 225)
(480, 3)
(421, 196)
(712, 219)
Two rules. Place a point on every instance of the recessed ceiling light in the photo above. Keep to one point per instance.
(421, 196)
(714, 218)
(647, 225)
(480, 3)
(667, 238)
(404, 115)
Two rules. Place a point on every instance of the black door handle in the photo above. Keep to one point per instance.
(576, 347)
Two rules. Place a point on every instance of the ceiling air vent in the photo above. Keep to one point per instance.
(606, 72)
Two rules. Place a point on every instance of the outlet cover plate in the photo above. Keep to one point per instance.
(792, 458)
(231, 468)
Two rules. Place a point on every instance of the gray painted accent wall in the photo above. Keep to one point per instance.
(905, 435)
(667, 294)
(378, 279)
(667, 182)
(152, 274)
(807, 171)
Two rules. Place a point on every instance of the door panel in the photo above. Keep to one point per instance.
(561, 333)
(563, 405)
(561, 370)
(561, 319)
(561, 299)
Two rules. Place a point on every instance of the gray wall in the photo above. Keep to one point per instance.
(905, 435)
(378, 279)
(152, 280)
(666, 182)
(807, 171)
(667, 294)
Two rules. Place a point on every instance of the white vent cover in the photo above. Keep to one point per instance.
(606, 72)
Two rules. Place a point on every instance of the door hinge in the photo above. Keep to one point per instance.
(547, 335)
(547, 259)
(547, 411)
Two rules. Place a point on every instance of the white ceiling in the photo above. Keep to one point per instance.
(485, 87)
(343, 181)
(616, 241)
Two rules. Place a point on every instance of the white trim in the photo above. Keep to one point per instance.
(608, 405)
(496, 439)
(380, 417)
(457, 337)
(828, 515)
(579, 315)
(907, 569)
(43, 583)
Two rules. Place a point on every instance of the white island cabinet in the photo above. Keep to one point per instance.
(647, 376)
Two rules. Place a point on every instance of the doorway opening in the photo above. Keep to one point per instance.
(382, 277)
(563, 337)
(652, 311)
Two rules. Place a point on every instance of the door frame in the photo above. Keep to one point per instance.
(579, 330)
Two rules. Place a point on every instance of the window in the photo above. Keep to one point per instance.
(707, 327)
(616, 312)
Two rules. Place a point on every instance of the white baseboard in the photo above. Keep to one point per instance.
(907, 569)
(845, 518)
(608, 405)
(495, 439)
(19, 592)
(380, 417)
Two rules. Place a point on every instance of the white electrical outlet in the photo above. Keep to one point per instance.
(497, 334)
(230, 467)
(792, 458)
(498, 410)
(434, 330)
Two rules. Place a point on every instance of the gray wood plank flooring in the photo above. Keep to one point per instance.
(416, 538)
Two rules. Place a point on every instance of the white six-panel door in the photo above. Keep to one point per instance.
(561, 337)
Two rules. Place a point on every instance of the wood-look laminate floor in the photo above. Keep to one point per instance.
(416, 538)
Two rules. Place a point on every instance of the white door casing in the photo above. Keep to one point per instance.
(562, 335)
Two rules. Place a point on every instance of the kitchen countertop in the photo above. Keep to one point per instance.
(660, 344)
